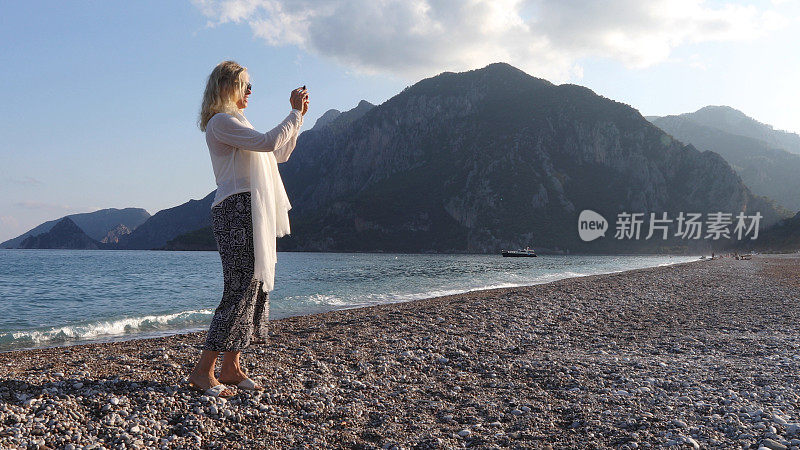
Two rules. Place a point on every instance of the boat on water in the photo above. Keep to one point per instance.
(526, 252)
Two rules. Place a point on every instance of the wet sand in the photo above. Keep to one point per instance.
(700, 354)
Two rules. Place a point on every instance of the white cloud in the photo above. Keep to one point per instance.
(418, 38)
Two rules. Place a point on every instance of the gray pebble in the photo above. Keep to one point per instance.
(772, 445)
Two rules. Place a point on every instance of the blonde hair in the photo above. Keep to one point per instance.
(225, 86)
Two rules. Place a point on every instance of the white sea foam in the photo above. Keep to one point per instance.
(328, 300)
(105, 329)
(397, 297)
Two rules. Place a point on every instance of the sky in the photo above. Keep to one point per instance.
(100, 99)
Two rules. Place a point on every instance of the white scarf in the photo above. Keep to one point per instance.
(270, 205)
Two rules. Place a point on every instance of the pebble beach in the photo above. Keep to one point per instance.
(703, 354)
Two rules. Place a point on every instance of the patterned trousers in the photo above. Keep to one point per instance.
(243, 312)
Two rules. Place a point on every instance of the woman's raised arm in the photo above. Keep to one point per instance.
(227, 129)
(282, 153)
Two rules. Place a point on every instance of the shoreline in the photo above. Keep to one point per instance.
(687, 354)
(167, 333)
(377, 252)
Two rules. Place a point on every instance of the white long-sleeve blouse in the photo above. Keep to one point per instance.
(228, 135)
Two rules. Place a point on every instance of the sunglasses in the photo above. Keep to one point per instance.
(248, 87)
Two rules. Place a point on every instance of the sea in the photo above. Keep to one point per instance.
(66, 297)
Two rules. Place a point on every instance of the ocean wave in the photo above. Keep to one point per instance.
(521, 281)
(356, 300)
(103, 329)
(327, 300)
(396, 297)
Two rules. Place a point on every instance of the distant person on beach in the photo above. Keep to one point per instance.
(248, 213)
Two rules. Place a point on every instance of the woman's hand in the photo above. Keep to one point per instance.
(297, 98)
(305, 105)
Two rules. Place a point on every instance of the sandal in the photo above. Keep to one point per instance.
(248, 385)
(213, 391)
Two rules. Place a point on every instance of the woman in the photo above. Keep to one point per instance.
(247, 214)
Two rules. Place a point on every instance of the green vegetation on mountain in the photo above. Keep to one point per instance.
(202, 239)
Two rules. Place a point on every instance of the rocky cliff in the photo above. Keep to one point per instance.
(494, 158)
(112, 237)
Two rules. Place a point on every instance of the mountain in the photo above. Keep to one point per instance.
(168, 224)
(64, 234)
(736, 122)
(336, 119)
(766, 170)
(95, 224)
(494, 158)
(326, 118)
(477, 162)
